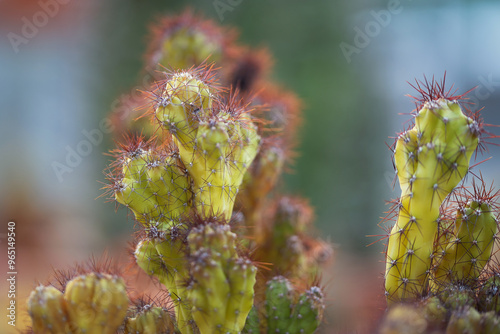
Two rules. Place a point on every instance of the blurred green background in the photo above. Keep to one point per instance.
(67, 78)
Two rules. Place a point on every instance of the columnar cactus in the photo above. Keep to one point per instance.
(430, 159)
(440, 252)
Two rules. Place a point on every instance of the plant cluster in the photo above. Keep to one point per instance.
(201, 156)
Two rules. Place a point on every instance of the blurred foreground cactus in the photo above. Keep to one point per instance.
(441, 269)
(201, 152)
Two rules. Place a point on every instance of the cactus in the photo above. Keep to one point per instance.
(217, 140)
(465, 320)
(465, 256)
(430, 160)
(92, 303)
(186, 40)
(149, 316)
(286, 310)
(440, 251)
(47, 308)
(152, 182)
(180, 176)
(214, 259)
(489, 294)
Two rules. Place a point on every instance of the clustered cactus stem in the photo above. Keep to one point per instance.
(199, 181)
(431, 159)
(441, 272)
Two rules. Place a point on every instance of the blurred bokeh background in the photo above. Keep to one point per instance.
(349, 61)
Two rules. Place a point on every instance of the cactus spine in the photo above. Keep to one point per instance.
(431, 159)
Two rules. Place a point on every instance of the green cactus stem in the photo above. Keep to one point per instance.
(150, 320)
(217, 140)
(288, 312)
(96, 303)
(186, 40)
(153, 183)
(470, 247)
(430, 159)
(222, 290)
(164, 258)
(93, 303)
(252, 325)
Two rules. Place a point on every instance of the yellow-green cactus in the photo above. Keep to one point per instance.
(47, 308)
(153, 183)
(430, 159)
(217, 140)
(93, 303)
(464, 320)
(490, 323)
(288, 312)
(164, 258)
(222, 292)
(96, 303)
(252, 325)
(283, 242)
(404, 318)
(186, 40)
(470, 247)
(150, 320)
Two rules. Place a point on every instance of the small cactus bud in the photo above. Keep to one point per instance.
(308, 312)
(490, 323)
(466, 320)
(150, 320)
(456, 296)
(47, 308)
(435, 312)
(470, 246)
(404, 318)
(96, 303)
(186, 40)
